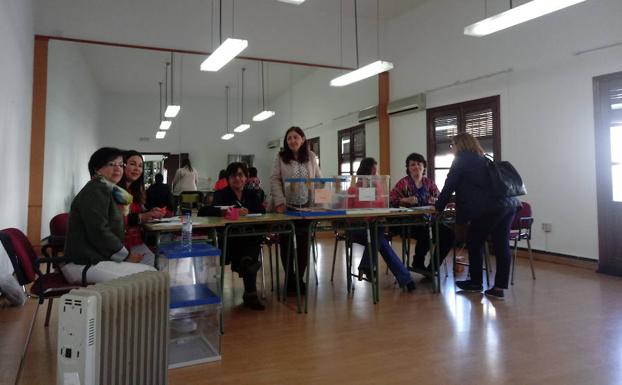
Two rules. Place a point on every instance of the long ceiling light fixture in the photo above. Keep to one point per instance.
(297, 2)
(264, 114)
(517, 15)
(161, 134)
(228, 135)
(227, 50)
(172, 109)
(165, 124)
(368, 70)
(243, 126)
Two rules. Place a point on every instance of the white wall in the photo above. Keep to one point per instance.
(546, 100)
(16, 44)
(71, 132)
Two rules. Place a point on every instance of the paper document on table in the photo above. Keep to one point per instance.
(367, 194)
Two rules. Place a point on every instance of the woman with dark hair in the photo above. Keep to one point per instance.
(222, 180)
(404, 279)
(415, 189)
(186, 178)
(295, 160)
(243, 255)
(96, 228)
(488, 216)
(133, 180)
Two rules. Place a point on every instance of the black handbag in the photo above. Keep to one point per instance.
(505, 181)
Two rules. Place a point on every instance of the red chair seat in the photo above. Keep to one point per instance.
(51, 285)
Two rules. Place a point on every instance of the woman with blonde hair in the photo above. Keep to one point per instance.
(487, 214)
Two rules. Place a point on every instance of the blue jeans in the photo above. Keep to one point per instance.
(394, 262)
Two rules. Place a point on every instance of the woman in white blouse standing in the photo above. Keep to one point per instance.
(186, 178)
(295, 160)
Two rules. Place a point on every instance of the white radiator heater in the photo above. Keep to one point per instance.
(115, 333)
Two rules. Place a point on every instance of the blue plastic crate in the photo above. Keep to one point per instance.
(192, 295)
(177, 251)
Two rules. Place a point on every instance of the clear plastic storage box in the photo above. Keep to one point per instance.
(194, 336)
(368, 192)
(316, 196)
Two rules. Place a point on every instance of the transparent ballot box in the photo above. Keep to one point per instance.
(194, 272)
(368, 193)
(194, 336)
(315, 196)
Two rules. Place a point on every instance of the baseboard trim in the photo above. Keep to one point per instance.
(559, 258)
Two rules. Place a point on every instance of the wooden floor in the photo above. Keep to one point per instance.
(563, 328)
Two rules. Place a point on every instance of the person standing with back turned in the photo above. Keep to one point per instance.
(487, 215)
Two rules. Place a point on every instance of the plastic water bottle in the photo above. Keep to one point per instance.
(186, 231)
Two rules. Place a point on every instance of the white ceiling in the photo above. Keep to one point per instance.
(138, 71)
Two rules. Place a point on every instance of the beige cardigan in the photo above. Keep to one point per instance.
(282, 170)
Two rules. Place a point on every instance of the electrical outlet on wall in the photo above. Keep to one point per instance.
(547, 227)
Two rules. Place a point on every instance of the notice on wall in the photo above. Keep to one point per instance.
(367, 194)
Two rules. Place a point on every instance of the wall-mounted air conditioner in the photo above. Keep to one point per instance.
(410, 104)
(274, 144)
(368, 113)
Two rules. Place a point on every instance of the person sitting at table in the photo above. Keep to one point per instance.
(296, 160)
(243, 254)
(133, 180)
(368, 166)
(159, 195)
(413, 190)
(222, 180)
(96, 231)
(254, 183)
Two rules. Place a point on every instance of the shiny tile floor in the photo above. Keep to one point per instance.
(563, 328)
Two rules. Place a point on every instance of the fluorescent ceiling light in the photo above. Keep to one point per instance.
(165, 124)
(517, 15)
(616, 106)
(297, 2)
(171, 111)
(242, 127)
(362, 73)
(227, 136)
(263, 115)
(160, 134)
(229, 49)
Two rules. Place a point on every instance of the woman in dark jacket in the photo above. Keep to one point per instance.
(96, 230)
(244, 254)
(487, 215)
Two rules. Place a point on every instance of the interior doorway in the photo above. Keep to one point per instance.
(608, 140)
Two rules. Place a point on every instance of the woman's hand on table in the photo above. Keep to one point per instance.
(243, 211)
(280, 208)
(412, 200)
(154, 213)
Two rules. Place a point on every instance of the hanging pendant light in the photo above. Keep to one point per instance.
(228, 135)
(228, 49)
(165, 124)
(160, 134)
(264, 114)
(368, 70)
(243, 126)
(172, 109)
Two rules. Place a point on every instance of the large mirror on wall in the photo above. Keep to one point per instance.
(104, 95)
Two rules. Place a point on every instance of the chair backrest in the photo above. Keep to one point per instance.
(59, 224)
(23, 253)
(523, 212)
(191, 196)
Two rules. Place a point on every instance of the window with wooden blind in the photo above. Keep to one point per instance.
(479, 118)
(351, 149)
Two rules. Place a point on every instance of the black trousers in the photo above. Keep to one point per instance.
(302, 248)
(422, 235)
(496, 225)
